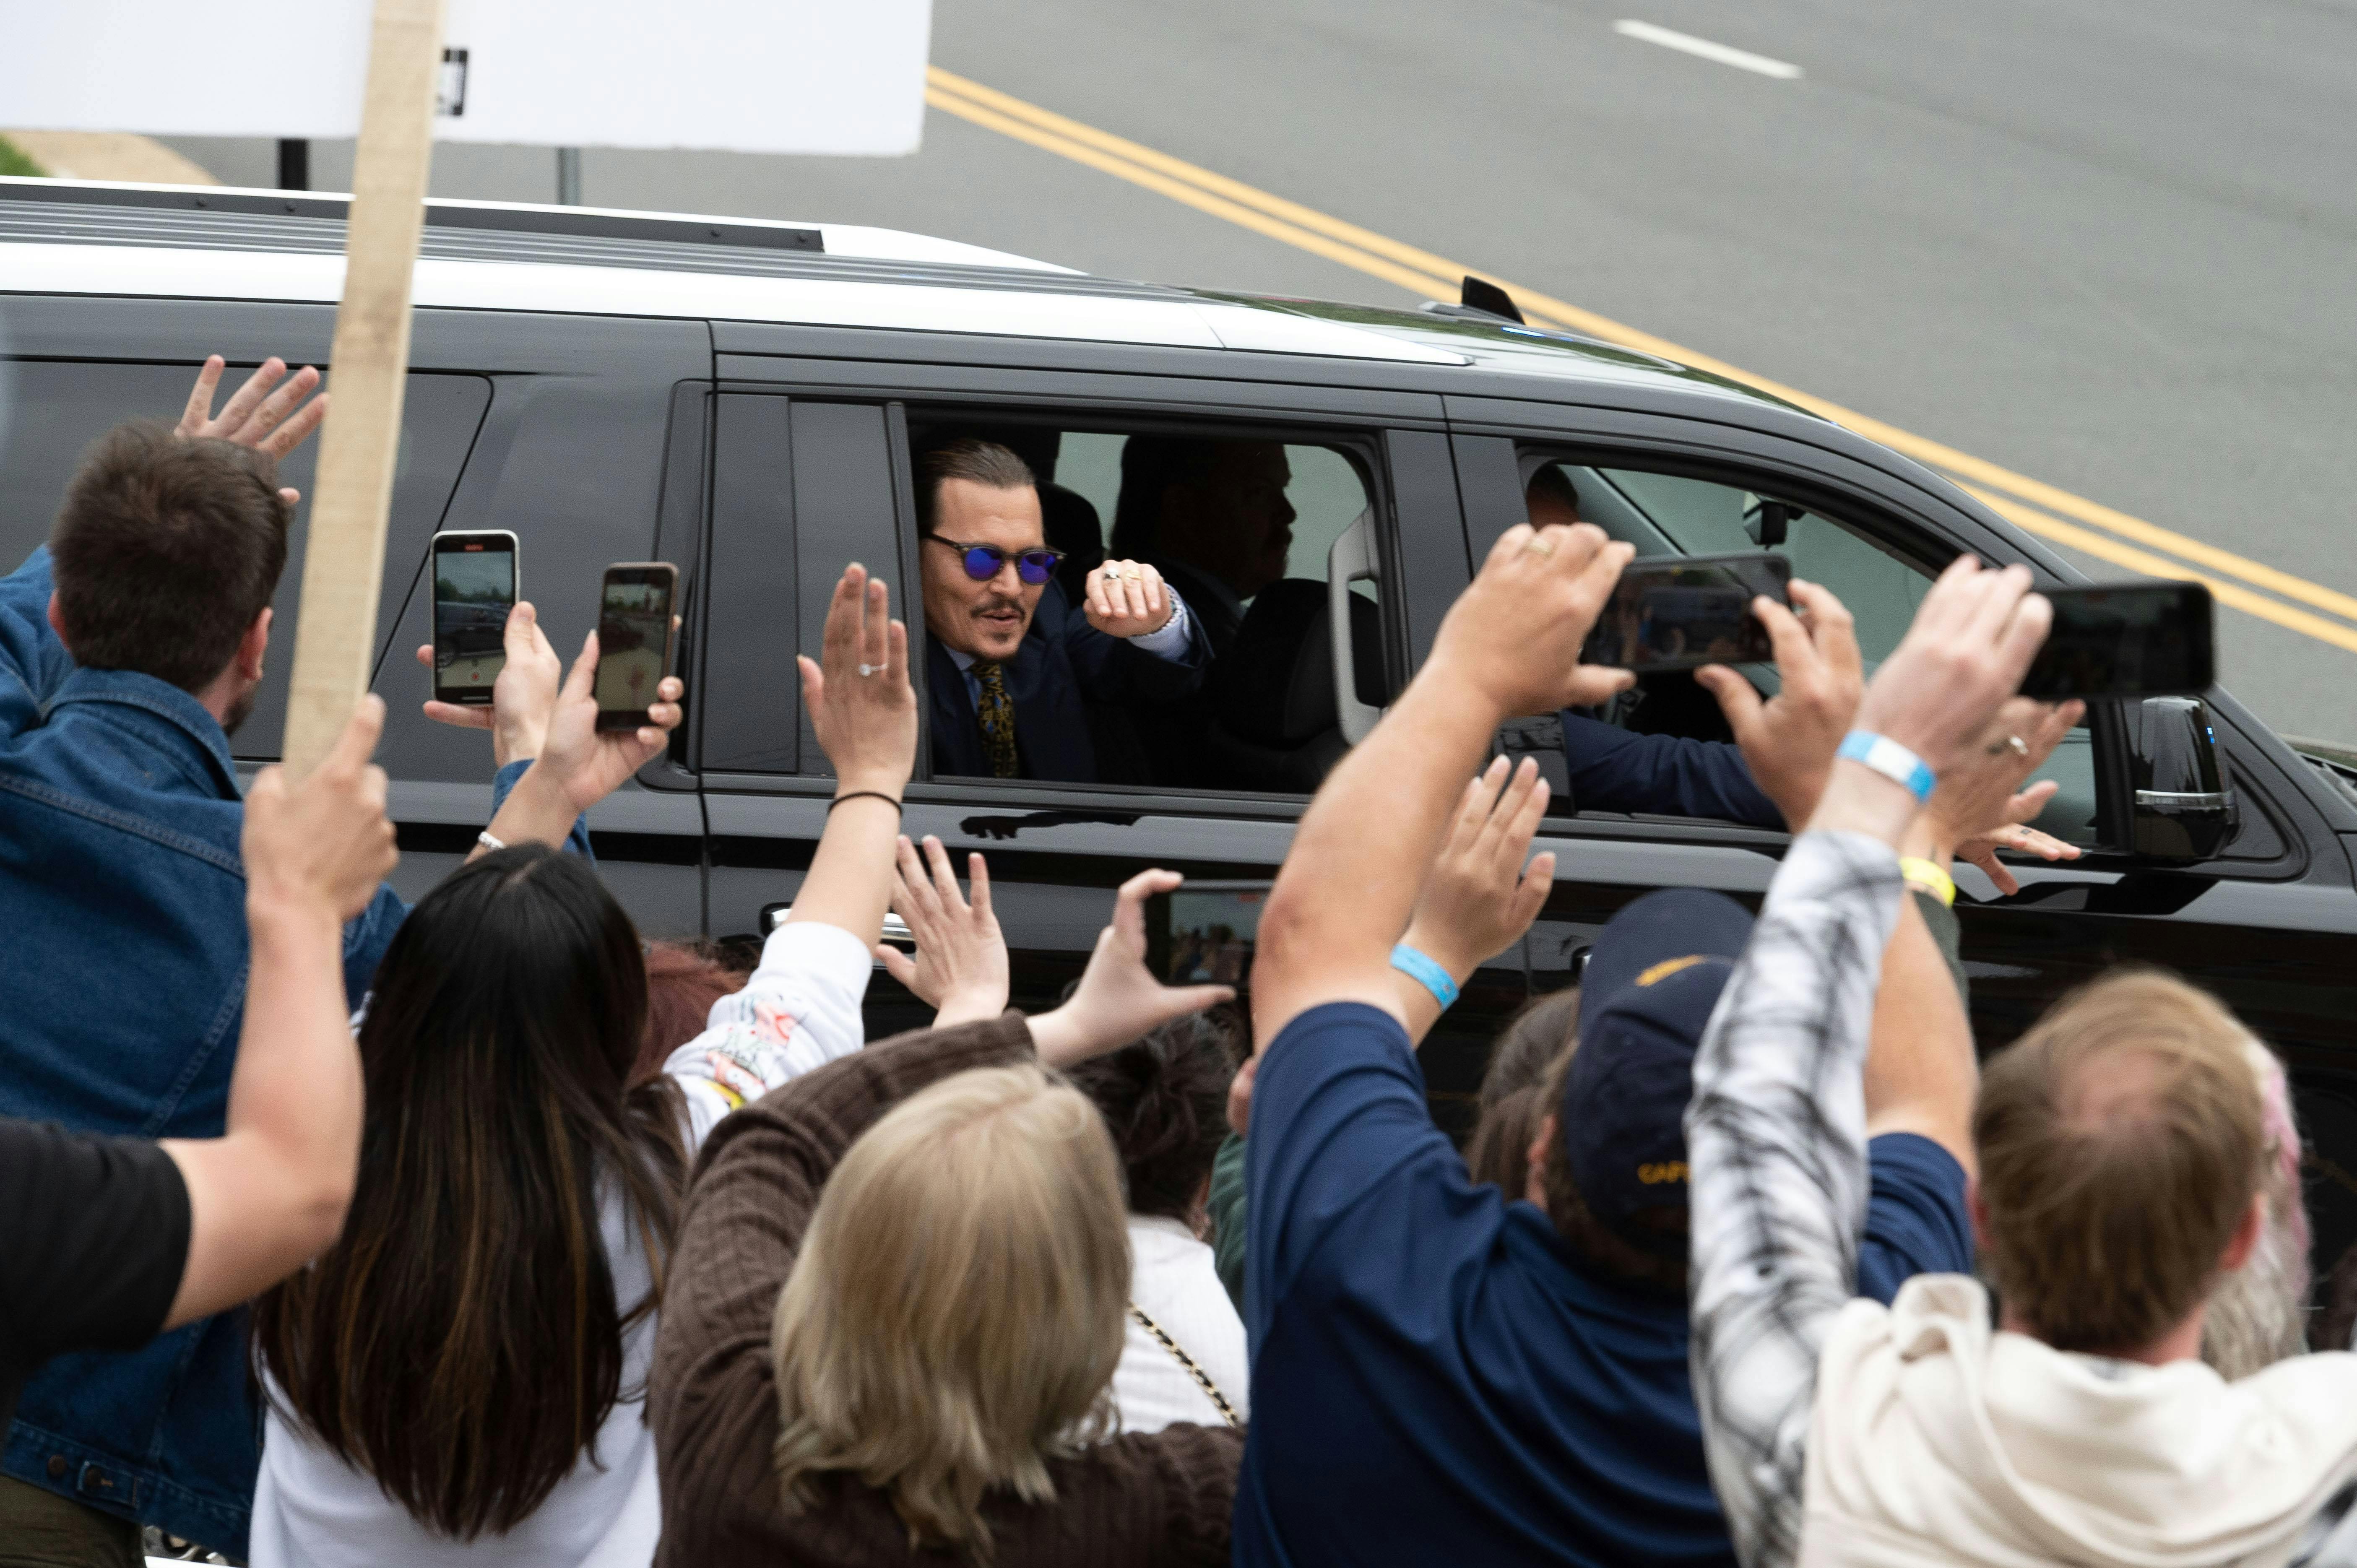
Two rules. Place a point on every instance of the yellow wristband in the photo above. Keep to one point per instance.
(1930, 878)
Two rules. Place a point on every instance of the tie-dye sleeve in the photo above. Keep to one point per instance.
(800, 1011)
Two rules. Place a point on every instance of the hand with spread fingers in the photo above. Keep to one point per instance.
(1514, 637)
(960, 970)
(1118, 998)
(858, 693)
(1127, 599)
(272, 422)
(1980, 806)
(523, 697)
(1479, 897)
(1789, 740)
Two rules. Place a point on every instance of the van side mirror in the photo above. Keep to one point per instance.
(2183, 810)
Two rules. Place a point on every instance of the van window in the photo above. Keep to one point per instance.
(1880, 585)
(1247, 529)
(57, 407)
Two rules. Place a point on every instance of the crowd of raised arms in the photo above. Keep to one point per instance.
(525, 1240)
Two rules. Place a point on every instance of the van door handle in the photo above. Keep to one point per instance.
(1351, 560)
(896, 929)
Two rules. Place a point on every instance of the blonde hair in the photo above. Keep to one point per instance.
(2259, 1313)
(2120, 1145)
(958, 1307)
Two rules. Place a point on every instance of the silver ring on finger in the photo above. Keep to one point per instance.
(2017, 745)
(871, 668)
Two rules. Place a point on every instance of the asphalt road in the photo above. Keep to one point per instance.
(2105, 243)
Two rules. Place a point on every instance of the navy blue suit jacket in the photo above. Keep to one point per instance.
(1614, 769)
(1064, 664)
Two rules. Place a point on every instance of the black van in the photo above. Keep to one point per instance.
(742, 399)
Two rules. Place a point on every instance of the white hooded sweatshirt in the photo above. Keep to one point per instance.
(1935, 1439)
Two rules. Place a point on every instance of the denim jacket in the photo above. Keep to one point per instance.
(119, 877)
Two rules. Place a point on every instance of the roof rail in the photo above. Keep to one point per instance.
(580, 222)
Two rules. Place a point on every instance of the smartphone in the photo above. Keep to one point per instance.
(1202, 933)
(474, 590)
(2126, 640)
(635, 640)
(1687, 611)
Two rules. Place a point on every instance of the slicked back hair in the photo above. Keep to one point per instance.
(985, 463)
(2120, 1147)
(165, 551)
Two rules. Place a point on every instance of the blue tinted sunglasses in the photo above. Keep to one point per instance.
(984, 562)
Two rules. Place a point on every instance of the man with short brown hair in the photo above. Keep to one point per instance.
(1013, 673)
(2120, 1147)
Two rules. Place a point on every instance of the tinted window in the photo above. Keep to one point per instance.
(1244, 529)
(59, 407)
(800, 488)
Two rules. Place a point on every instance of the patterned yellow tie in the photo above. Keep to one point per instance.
(997, 717)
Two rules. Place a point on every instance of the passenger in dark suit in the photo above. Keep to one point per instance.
(1211, 515)
(1012, 668)
(1614, 769)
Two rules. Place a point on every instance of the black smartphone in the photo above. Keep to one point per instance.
(1685, 612)
(474, 590)
(1202, 933)
(2126, 640)
(635, 640)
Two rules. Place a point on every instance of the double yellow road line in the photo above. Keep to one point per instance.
(2082, 525)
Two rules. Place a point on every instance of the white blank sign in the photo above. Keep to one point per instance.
(754, 76)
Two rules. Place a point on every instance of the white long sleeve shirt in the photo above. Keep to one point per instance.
(800, 1011)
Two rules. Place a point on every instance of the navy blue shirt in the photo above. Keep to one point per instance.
(1434, 1379)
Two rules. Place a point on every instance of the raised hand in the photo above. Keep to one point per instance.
(587, 764)
(323, 846)
(1127, 599)
(270, 423)
(1972, 642)
(1789, 740)
(1980, 805)
(960, 970)
(523, 698)
(1479, 899)
(859, 700)
(1512, 639)
(1118, 999)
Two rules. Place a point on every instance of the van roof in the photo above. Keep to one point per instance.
(217, 242)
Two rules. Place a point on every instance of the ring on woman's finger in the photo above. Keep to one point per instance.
(871, 668)
(2017, 745)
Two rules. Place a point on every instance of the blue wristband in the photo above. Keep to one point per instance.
(1426, 971)
(1890, 759)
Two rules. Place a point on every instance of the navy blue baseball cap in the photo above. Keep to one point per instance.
(1652, 980)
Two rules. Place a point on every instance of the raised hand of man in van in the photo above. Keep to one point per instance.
(1127, 599)
(1789, 740)
(523, 697)
(273, 423)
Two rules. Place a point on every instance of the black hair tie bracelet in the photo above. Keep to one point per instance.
(856, 794)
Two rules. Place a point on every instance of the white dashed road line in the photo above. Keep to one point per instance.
(1741, 59)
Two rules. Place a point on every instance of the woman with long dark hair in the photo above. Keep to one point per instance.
(462, 1377)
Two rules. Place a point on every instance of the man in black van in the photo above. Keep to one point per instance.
(1023, 686)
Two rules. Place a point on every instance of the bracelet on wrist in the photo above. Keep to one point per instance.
(1931, 877)
(862, 795)
(1427, 971)
(1892, 760)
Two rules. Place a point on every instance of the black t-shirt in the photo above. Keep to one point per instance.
(93, 1237)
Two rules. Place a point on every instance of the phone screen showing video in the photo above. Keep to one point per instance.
(1682, 614)
(2143, 640)
(633, 638)
(1210, 935)
(473, 588)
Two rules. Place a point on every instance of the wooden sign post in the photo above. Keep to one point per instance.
(343, 565)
